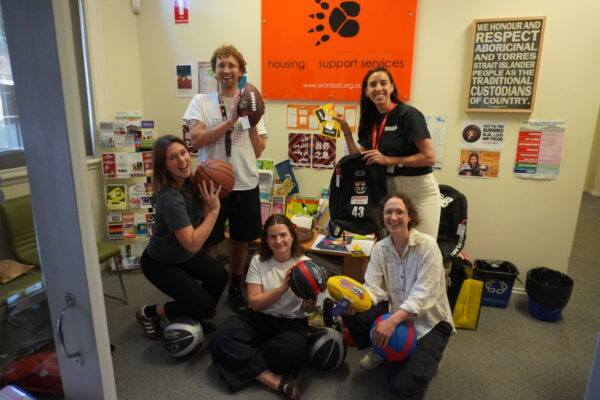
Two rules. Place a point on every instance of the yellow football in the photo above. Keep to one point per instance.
(342, 287)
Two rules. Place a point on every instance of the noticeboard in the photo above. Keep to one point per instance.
(505, 60)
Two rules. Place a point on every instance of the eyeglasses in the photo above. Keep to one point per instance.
(229, 65)
(392, 212)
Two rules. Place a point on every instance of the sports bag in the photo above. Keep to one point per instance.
(355, 191)
(452, 232)
(468, 305)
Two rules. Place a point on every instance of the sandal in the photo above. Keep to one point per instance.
(289, 387)
(151, 326)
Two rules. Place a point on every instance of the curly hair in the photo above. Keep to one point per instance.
(264, 251)
(228, 51)
(410, 208)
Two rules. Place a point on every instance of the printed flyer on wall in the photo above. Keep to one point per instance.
(184, 81)
(302, 117)
(436, 124)
(484, 135)
(539, 149)
(479, 163)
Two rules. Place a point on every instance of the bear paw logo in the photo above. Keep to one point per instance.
(340, 20)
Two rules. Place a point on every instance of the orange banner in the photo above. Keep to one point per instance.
(321, 49)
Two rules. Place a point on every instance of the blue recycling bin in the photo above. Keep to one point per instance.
(498, 277)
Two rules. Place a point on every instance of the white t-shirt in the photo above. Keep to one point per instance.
(205, 108)
(270, 274)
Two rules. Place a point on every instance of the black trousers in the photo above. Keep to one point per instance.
(246, 345)
(195, 285)
(407, 378)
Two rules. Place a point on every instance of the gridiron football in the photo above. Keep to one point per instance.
(251, 104)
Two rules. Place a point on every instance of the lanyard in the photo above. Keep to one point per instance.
(377, 133)
(228, 133)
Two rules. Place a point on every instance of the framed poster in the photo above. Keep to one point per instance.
(207, 83)
(505, 60)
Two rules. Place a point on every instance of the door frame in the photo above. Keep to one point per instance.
(40, 41)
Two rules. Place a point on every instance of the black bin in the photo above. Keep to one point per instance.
(549, 292)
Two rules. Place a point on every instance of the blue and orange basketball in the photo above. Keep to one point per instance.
(402, 343)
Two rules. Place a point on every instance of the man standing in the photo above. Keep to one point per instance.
(218, 133)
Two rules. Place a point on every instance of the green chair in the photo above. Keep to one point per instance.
(18, 219)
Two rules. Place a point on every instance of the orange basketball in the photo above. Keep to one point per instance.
(220, 172)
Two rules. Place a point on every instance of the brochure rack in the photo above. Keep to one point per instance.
(127, 170)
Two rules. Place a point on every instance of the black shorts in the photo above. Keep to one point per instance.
(242, 210)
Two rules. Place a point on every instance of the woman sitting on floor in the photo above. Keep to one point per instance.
(268, 342)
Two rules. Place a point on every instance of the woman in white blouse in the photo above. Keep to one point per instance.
(405, 277)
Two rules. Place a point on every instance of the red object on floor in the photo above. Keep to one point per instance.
(38, 373)
(347, 336)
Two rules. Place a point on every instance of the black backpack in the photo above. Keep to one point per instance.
(452, 232)
(355, 192)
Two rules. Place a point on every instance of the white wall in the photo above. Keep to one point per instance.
(114, 57)
(592, 180)
(528, 222)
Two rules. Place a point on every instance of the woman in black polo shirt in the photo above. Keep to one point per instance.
(395, 135)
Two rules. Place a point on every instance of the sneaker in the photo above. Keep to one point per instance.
(371, 360)
(151, 326)
(236, 301)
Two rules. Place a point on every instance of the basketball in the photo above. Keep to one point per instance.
(220, 172)
(327, 349)
(402, 343)
(347, 289)
(307, 279)
(183, 337)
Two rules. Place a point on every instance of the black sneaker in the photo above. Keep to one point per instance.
(236, 301)
(151, 326)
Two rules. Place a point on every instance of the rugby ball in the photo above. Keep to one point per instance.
(342, 287)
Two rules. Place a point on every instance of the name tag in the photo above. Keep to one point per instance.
(245, 122)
